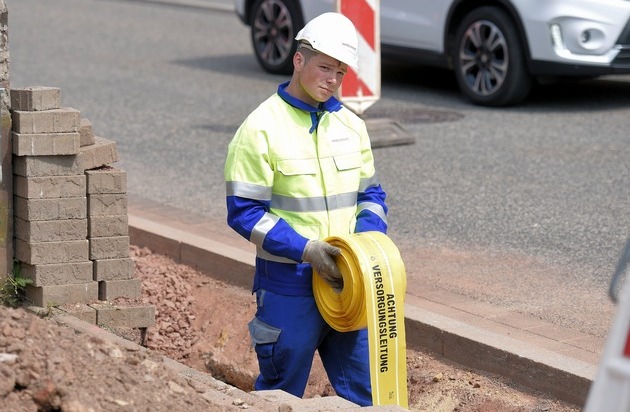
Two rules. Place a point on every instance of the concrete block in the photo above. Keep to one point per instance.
(45, 144)
(50, 209)
(108, 226)
(128, 316)
(86, 132)
(109, 290)
(62, 294)
(81, 311)
(35, 98)
(114, 269)
(106, 180)
(62, 120)
(107, 204)
(37, 253)
(49, 186)
(50, 230)
(58, 273)
(109, 247)
(102, 153)
(30, 166)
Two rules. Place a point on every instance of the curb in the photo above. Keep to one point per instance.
(563, 377)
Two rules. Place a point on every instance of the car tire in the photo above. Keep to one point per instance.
(488, 60)
(274, 25)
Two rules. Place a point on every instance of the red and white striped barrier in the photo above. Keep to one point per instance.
(362, 88)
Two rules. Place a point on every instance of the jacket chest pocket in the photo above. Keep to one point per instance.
(296, 177)
(348, 161)
(343, 173)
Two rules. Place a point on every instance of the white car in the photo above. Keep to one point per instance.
(497, 48)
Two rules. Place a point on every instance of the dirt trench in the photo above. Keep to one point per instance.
(202, 322)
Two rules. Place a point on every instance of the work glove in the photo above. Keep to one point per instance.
(320, 255)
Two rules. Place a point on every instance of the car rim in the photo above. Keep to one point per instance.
(483, 58)
(273, 32)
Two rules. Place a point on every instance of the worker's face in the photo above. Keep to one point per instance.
(320, 76)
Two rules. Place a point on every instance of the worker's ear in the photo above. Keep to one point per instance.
(298, 60)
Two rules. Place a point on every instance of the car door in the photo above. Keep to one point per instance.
(417, 24)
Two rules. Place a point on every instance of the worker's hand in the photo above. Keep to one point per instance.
(320, 255)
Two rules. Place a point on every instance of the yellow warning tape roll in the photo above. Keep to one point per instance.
(374, 286)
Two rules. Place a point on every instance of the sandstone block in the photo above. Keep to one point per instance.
(50, 230)
(113, 269)
(41, 253)
(45, 144)
(86, 132)
(46, 187)
(30, 166)
(115, 247)
(35, 98)
(129, 316)
(107, 204)
(58, 273)
(80, 311)
(50, 209)
(106, 180)
(63, 120)
(109, 290)
(108, 226)
(62, 294)
(102, 153)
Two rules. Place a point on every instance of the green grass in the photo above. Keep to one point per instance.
(13, 286)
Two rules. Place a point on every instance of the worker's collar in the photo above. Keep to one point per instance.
(330, 105)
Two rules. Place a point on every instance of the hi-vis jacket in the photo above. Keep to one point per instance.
(293, 173)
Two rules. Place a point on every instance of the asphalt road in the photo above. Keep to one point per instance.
(523, 207)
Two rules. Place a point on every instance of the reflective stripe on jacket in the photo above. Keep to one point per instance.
(294, 173)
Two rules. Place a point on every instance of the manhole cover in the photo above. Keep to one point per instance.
(384, 129)
(415, 115)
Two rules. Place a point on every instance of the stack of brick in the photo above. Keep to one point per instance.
(70, 211)
(50, 205)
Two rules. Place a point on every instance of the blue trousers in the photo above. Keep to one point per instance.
(286, 332)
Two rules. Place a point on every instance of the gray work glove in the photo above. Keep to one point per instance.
(320, 255)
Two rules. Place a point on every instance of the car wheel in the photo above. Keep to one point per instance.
(488, 59)
(274, 25)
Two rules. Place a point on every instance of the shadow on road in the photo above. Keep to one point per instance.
(605, 93)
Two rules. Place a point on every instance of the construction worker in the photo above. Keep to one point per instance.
(299, 169)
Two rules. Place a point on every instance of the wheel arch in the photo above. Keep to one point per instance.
(460, 8)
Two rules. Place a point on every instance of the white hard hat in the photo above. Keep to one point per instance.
(332, 34)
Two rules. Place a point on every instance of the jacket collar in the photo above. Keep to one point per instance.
(330, 105)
